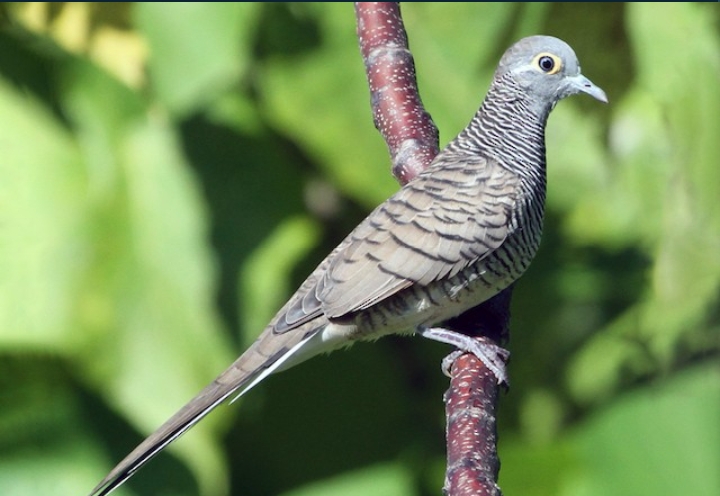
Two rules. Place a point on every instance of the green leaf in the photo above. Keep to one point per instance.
(45, 446)
(71, 468)
(664, 441)
(382, 480)
(686, 276)
(197, 50)
(596, 371)
(534, 469)
(42, 215)
(147, 300)
(577, 168)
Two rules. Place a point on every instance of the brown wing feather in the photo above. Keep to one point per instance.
(450, 216)
(304, 305)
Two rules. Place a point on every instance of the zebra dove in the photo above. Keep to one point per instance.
(460, 232)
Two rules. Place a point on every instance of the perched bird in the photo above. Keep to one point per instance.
(460, 232)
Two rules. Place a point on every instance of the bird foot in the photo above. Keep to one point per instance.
(490, 354)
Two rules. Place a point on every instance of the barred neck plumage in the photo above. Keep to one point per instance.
(508, 129)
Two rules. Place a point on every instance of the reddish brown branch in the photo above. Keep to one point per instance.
(398, 113)
(473, 464)
(412, 141)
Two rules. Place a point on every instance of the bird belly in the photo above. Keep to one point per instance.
(427, 306)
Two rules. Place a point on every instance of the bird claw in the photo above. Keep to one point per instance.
(447, 362)
(491, 355)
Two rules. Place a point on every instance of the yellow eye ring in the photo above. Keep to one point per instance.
(548, 63)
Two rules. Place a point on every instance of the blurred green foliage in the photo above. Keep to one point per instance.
(169, 173)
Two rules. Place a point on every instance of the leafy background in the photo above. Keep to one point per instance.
(169, 173)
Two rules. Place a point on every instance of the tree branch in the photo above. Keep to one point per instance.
(398, 113)
(412, 141)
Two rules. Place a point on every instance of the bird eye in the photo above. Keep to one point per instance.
(548, 63)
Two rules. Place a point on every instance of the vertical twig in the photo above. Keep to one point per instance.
(470, 405)
(412, 141)
(398, 113)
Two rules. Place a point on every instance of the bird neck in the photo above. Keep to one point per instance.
(509, 129)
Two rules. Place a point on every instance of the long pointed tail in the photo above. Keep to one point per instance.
(265, 356)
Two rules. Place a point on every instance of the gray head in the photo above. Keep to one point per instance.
(547, 69)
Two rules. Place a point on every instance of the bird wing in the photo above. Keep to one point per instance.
(305, 305)
(437, 224)
(433, 227)
(452, 215)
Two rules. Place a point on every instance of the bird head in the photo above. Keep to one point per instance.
(546, 69)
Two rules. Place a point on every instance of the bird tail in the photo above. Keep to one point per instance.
(266, 355)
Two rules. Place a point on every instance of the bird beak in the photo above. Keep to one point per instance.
(584, 85)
